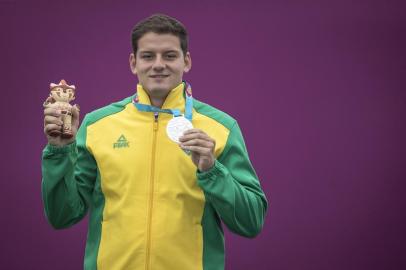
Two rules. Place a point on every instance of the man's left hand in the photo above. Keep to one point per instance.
(201, 146)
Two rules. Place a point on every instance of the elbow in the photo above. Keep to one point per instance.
(253, 226)
(257, 224)
(253, 231)
(63, 218)
(56, 222)
(56, 225)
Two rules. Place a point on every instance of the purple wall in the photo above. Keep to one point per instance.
(318, 90)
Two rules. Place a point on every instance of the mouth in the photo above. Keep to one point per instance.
(159, 76)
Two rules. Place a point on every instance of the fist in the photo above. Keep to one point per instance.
(53, 125)
(202, 147)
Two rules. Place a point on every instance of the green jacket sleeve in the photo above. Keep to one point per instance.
(68, 176)
(233, 188)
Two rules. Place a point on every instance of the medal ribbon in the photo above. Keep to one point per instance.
(176, 112)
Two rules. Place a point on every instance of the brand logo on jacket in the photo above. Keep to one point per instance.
(121, 142)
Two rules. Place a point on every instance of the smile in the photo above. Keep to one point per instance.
(159, 76)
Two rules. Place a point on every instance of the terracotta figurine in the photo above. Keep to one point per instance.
(59, 98)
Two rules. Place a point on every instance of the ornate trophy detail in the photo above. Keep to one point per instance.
(59, 98)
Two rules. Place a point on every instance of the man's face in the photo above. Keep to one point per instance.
(159, 63)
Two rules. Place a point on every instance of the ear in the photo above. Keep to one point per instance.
(132, 63)
(188, 62)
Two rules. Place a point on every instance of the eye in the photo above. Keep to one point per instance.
(171, 56)
(146, 56)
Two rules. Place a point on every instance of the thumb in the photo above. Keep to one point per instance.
(75, 115)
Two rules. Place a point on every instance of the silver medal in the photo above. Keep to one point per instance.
(176, 126)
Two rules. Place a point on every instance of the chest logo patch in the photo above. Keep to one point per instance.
(121, 142)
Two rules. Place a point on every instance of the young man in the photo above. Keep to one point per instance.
(154, 203)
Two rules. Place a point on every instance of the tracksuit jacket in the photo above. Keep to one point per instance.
(149, 206)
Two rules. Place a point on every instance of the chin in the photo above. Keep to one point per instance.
(158, 91)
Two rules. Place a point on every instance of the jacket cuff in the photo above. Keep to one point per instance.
(53, 149)
(218, 169)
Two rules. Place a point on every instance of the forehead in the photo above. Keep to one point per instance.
(158, 42)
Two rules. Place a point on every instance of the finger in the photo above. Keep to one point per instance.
(197, 135)
(52, 111)
(75, 115)
(193, 130)
(51, 127)
(77, 107)
(75, 110)
(200, 139)
(203, 151)
(199, 142)
(48, 119)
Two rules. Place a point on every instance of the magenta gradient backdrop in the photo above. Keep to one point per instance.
(318, 88)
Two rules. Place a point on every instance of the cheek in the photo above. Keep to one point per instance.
(143, 66)
(142, 70)
(176, 68)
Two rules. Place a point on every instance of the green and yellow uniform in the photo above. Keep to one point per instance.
(150, 208)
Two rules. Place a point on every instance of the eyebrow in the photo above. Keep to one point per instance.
(170, 51)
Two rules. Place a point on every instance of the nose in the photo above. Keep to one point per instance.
(64, 90)
(159, 63)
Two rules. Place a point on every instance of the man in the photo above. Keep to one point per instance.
(152, 205)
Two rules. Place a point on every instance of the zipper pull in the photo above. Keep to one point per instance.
(156, 121)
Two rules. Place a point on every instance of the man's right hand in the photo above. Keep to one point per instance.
(53, 122)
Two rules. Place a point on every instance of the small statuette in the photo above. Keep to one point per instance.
(59, 98)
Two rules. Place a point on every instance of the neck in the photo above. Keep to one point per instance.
(157, 97)
(157, 102)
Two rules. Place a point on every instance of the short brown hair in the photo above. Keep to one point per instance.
(160, 24)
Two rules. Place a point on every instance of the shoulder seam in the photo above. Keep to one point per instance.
(103, 112)
(227, 146)
(227, 117)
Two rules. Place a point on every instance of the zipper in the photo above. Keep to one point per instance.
(151, 195)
